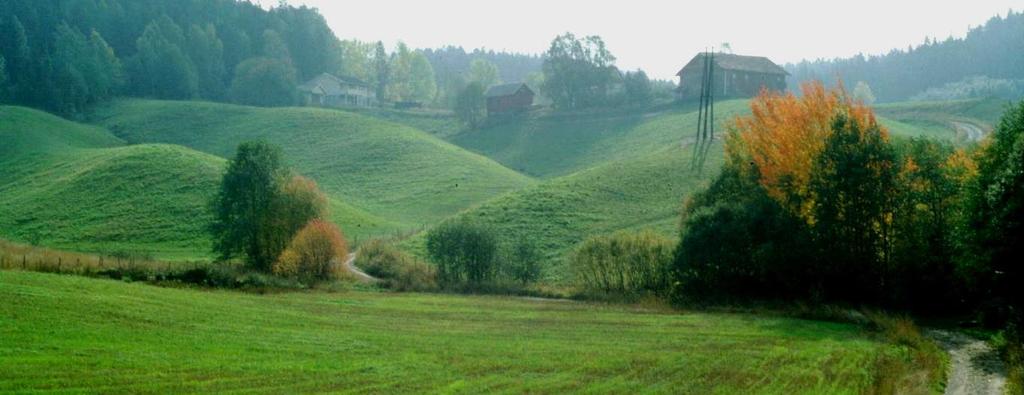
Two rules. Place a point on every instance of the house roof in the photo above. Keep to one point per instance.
(755, 64)
(506, 89)
(329, 85)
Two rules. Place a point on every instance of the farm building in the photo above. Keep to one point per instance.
(734, 76)
(509, 98)
(329, 91)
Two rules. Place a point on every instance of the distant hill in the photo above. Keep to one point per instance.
(79, 187)
(994, 49)
(605, 173)
(636, 193)
(557, 145)
(400, 174)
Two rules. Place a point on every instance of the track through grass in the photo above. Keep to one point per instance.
(78, 334)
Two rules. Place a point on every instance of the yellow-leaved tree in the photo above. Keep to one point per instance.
(782, 138)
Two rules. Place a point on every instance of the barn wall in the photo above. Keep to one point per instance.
(728, 83)
(521, 101)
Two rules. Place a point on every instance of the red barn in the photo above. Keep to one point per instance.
(735, 76)
(509, 98)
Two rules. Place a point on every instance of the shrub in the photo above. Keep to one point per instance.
(739, 242)
(463, 252)
(398, 271)
(315, 253)
(522, 262)
(624, 262)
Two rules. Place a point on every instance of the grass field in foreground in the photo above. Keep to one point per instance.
(78, 334)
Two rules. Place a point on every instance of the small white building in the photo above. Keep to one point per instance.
(329, 91)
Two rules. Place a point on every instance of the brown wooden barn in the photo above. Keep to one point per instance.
(734, 76)
(509, 98)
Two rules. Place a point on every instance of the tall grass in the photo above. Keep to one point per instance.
(918, 365)
(15, 256)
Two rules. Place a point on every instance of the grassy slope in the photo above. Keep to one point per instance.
(88, 335)
(395, 172)
(643, 188)
(557, 145)
(632, 194)
(78, 187)
(934, 119)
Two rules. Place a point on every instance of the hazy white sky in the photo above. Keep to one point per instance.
(660, 36)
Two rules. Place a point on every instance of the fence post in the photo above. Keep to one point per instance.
(23, 264)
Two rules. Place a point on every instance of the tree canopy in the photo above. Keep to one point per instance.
(578, 72)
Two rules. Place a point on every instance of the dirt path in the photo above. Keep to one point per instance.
(971, 131)
(358, 274)
(975, 367)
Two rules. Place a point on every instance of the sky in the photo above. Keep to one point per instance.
(661, 36)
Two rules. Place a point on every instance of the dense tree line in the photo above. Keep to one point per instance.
(994, 49)
(455, 68)
(817, 203)
(580, 73)
(63, 55)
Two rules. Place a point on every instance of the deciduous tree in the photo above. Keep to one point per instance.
(243, 206)
(267, 82)
(484, 72)
(470, 105)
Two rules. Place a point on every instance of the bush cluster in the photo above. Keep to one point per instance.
(316, 253)
(398, 271)
(468, 254)
(624, 263)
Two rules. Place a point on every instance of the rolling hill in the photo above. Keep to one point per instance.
(78, 187)
(634, 174)
(557, 145)
(629, 194)
(403, 175)
(956, 120)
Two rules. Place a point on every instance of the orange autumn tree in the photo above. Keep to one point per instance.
(785, 134)
(316, 253)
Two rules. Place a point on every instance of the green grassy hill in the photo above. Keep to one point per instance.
(557, 145)
(398, 173)
(635, 175)
(630, 194)
(78, 187)
(942, 120)
(64, 333)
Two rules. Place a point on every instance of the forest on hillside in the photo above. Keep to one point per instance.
(67, 55)
(988, 61)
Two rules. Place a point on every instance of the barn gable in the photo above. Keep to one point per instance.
(751, 64)
(734, 76)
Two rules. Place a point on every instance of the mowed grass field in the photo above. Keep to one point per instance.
(397, 173)
(64, 333)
